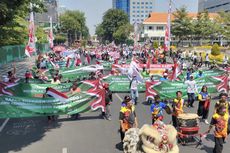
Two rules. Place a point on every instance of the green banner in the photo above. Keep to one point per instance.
(37, 90)
(168, 89)
(15, 107)
(121, 83)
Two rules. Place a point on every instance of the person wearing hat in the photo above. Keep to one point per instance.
(165, 77)
(108, 102)
(191, 90)
(134, 89)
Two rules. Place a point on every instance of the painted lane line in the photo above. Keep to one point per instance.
(119, 97)
(64, 150)
(4, 124)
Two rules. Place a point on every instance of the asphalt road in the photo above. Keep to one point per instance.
(89, 134)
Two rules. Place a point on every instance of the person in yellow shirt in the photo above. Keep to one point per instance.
(128, 118)
(177, 107)
(220, 122)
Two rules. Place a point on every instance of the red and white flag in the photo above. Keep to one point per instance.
(50, 36)
(57, 95)
(176, 71)
(168, 31)
(30, 47)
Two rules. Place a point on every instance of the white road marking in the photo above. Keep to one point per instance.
(4, 124)
(119, 97)
(64, 150)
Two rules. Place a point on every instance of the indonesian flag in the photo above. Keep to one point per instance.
(57, 95)
(168, 31)
(148, 64)
(134, 71)
(50, 36)
(30, 47)
(176, 71)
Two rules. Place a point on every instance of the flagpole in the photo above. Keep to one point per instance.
(170, 12)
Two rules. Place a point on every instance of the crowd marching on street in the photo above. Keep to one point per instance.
(188, 62)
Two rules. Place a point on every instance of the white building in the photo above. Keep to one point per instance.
(154, 26)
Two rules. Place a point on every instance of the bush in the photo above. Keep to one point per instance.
(215, 50)
(155, 45)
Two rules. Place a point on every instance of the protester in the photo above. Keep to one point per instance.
(128, 118)
(207, 60)
(177, 106)
(55, 80)
(165, 77)
(191, 90)
(134, 89)
(28, 75)
(46, 95)
(220, 122)
(223, 102)
(204, 103)
(157, 109)
(108, 102)
(12, 74)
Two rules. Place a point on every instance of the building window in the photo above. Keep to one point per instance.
(146, 7)
(138, 7)
(142, 7)
(134, 2)
(138, 3)
(142, 3)
(138, 11)
(134, 7)
(137, 19)
(134, 11)
(150, 7)
(146, 3)
(150, 27)
(146, 15)
(160, 28)
(133, 15)
(137, 15)
(133, 19)
(150, 3)
(142, 15)
(142, 20)
(142, 11)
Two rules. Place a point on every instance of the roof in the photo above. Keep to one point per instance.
(162, 17)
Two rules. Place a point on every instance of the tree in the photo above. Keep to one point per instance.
(122, 33)
(41, 35)
(203, 26)
(155, 45)
(113, 22)
(224, 19)
(182, 24)
(59, 39)
(13, 26)
(74, 24)
(215, 50)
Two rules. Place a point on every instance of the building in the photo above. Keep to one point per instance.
(214, 5)
(137, 10)
(43, 19)
(154, 26)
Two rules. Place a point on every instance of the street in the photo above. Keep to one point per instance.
(89, 134)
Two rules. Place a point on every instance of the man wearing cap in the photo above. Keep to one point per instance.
(165, 77)
(133, 88)
(191, 90)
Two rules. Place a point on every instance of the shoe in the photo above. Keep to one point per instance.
(109, 119)
(206, 122)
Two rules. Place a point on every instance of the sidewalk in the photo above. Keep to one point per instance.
(21, 67)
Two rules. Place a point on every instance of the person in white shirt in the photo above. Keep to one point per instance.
(134, 89)
(225, 61)
(207, 60)
(191, 90)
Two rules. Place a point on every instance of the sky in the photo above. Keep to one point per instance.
(94, 9)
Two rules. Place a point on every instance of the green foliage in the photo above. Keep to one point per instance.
(215, 50)
(155, 45)
(130, 42)
(182, 24)
(114, 23)
(41, 35)
(74, 24)
(122, 33)
(59, 39)
(13, 26)
(224, 20)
